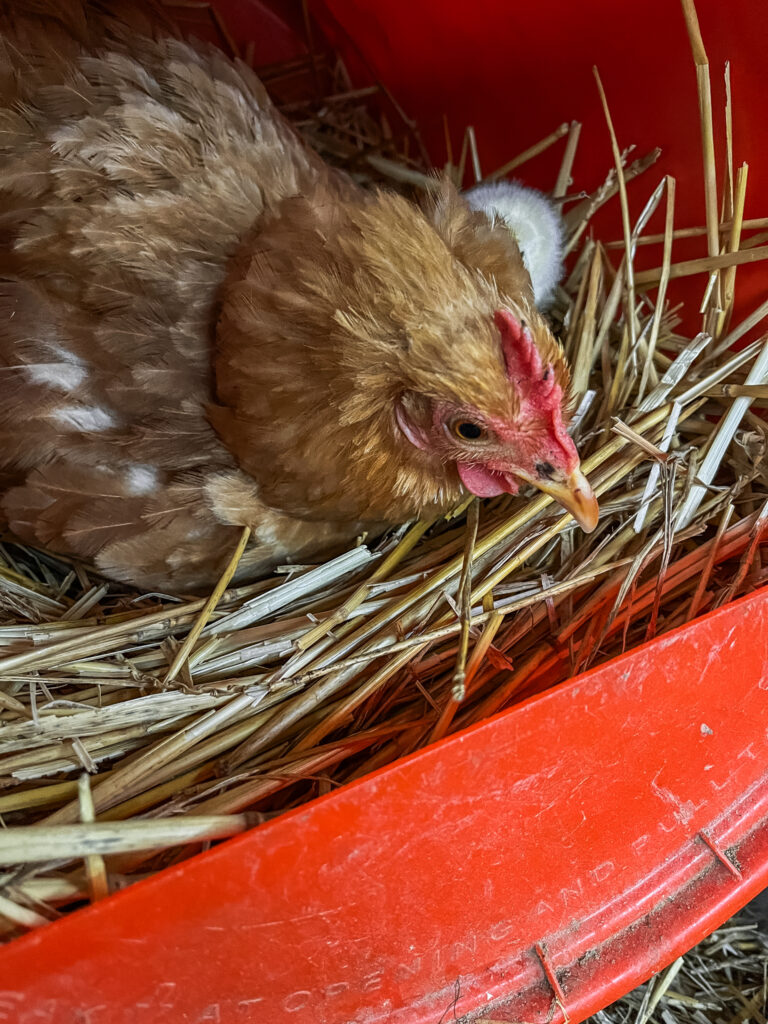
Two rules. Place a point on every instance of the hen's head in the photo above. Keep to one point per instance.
(519, 438)
(375, 360)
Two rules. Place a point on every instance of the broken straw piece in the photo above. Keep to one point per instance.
(655, 473)
(584, 406)
(288, 593)
(722, 438)
(675, 373)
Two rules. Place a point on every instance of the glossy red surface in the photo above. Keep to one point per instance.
(515, 71)
(568, 848)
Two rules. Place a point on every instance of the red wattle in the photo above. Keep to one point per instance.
(484, 482)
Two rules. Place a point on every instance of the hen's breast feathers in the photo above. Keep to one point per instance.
(126, 181)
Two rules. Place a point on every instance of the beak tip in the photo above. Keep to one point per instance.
(582, 503)
(589, 519)
(574, 494)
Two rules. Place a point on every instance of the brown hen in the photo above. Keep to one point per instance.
(203, 327)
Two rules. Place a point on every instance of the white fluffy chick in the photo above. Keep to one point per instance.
(537, 226)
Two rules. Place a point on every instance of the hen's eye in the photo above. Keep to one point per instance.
(468, 431)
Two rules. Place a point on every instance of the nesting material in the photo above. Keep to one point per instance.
(192, 719)
(723, 979)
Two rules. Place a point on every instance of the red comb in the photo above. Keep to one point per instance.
(536, 386)
(521, 356)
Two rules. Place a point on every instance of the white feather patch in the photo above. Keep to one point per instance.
(84, 417)
(142, 479)
(537, 226)
(62, 376)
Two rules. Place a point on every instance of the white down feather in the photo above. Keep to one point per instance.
(537, 226)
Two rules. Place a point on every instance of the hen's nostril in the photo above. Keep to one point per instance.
(545, 470)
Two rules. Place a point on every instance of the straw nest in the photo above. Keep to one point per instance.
(145, 726)
(724, 979)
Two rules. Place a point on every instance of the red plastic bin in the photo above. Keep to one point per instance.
(542, 863)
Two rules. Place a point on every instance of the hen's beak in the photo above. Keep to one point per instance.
(577, 496)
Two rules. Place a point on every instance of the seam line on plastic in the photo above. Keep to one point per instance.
(549, 972)
(721, 855)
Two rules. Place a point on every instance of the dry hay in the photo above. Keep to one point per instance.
(723, 980)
